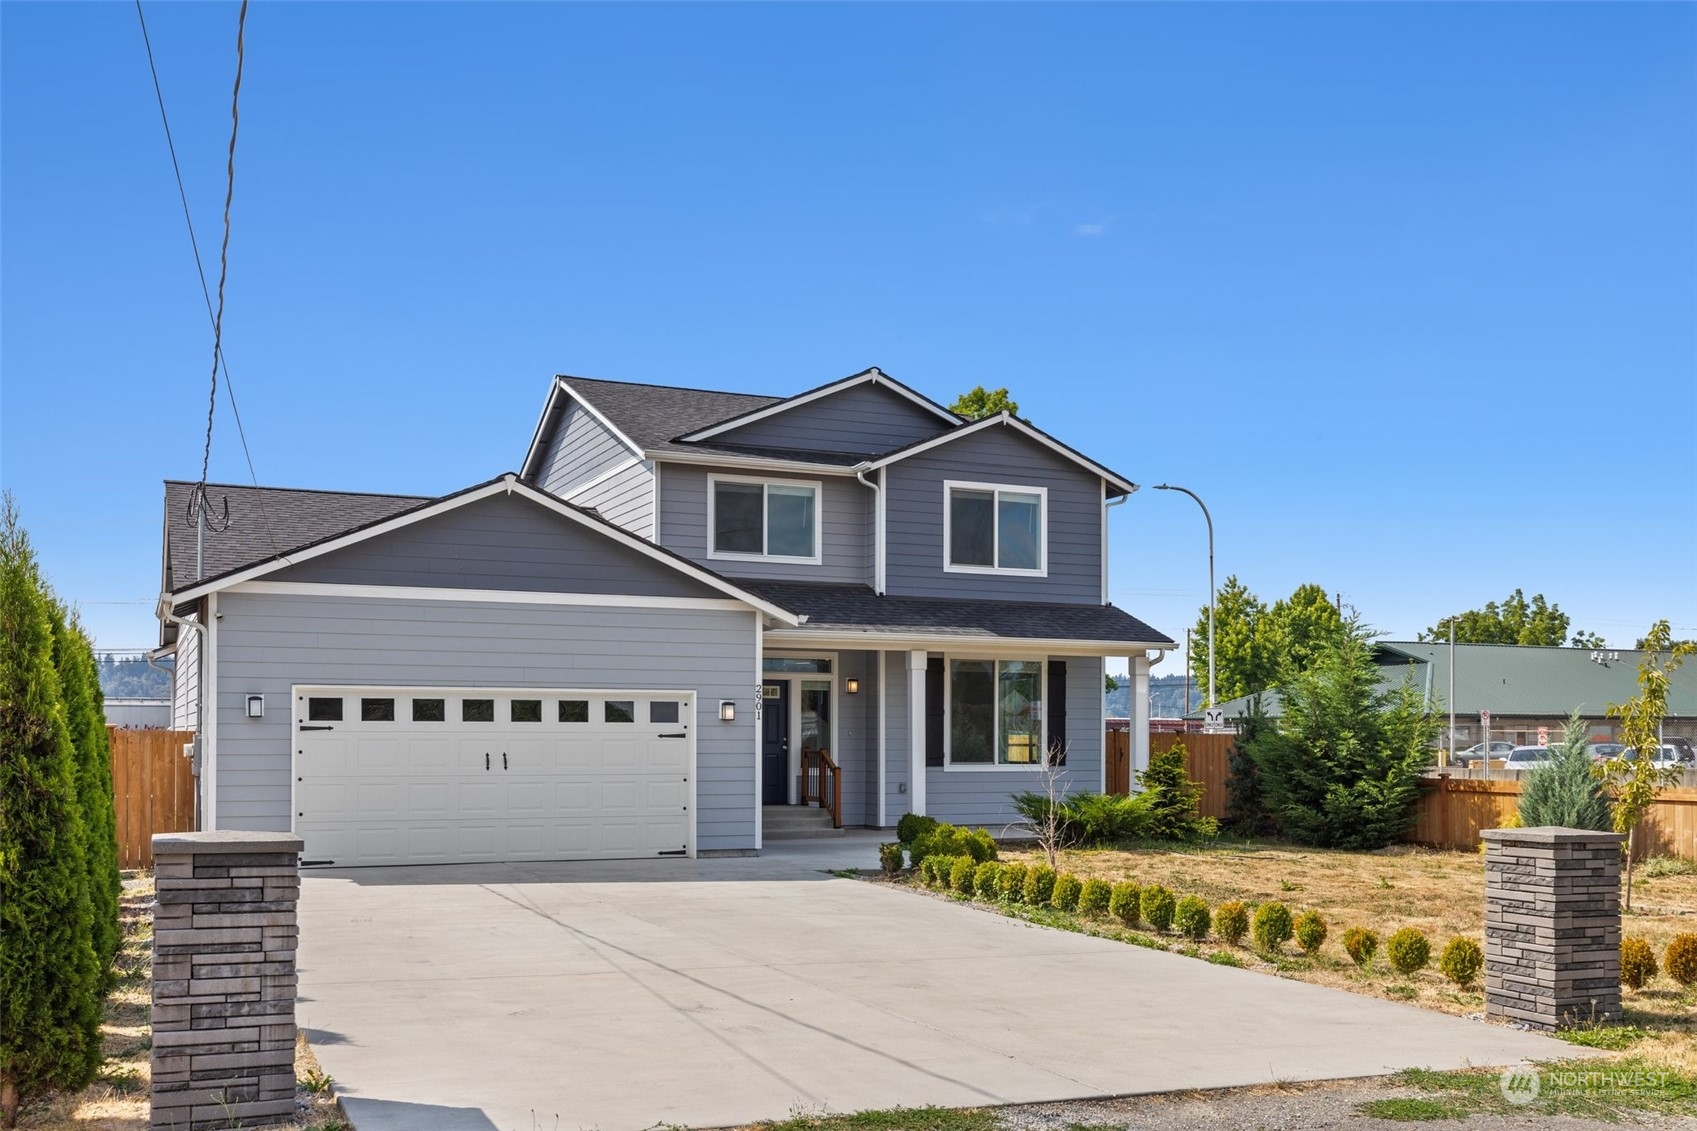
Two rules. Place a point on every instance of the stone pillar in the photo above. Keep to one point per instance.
(224, 979)
(1552, 926)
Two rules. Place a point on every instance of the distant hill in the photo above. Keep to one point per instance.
(1166, 697)
(132, 678)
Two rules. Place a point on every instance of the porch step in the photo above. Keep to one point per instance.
(796, 822)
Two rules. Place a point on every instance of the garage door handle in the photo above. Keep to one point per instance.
(305, 727)
(503, 759)
(486, 759)
(680, 734)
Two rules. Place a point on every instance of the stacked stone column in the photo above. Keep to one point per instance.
(224, 939)
(1552, 926)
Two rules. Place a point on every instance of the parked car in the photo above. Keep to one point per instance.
(1687, 752)
(1669, 753)
(1527, 758)
(1472, 754)
(1603, 751)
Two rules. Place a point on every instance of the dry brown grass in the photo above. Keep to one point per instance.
(1439, 892)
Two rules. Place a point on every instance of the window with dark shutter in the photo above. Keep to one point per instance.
(1057, 709)
(934, 711)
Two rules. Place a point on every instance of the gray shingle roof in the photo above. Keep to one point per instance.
(651, 415)
(856, 608)
(264, 522)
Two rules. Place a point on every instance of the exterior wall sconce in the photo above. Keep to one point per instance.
(727, 711)
(852, 686)
(256, 706)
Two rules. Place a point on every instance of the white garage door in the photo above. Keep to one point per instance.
(395, 775)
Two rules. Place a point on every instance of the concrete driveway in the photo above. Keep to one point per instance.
(715, 992)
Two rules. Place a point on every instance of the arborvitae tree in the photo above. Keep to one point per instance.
(1567, 793)
(1173, 799)
(85, 716)
(1246, 807)
(49, 977)
(1342, 767)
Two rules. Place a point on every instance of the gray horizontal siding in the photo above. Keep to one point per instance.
(845, 549)
(913, 520)
(580, 448)
(866, 418)
(980, 797)
(269, 643)
(625, 498)
(857, 725)
(500, 542)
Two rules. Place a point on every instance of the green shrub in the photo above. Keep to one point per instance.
(890, 858)
(1360, 944)
(1094, 896)
(79, 683)
(1065, 895)
(1010, 885)
(1102, 818)
(1564, 792)
(985, 878)
(1637, 963)
(1310, 932)
(1125, 902)
(948, 840)
(1271, 927)
(1039, 885)
(1408, 951)
(1680, 959)
(1191, 918)
(1231, 922)
(961, 874)
(1170, 799)
(1461, 961)
(1157, 904)
(914, 825)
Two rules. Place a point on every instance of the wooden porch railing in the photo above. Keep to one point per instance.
(822, 781)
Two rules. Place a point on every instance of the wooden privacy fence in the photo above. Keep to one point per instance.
(152, 789)
(1205, 762)
(1456, 810)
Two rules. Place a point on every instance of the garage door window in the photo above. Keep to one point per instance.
(477, 710)
(429, 710)
(574, 710)
(660, 711)
(323, 710)
(527, 710)
(376, 710)
(621, 711)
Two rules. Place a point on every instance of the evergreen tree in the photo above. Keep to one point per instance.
(1246, 807)
(49, 977)
(1342, 767)
(1172, 800)
(1566, 793)
(85, 716)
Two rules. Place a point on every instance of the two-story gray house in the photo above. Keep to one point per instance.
(687, 616)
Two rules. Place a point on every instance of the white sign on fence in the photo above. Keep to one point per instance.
(1213, 720)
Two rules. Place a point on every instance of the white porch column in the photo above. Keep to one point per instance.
(1139, 721)
(916, 662)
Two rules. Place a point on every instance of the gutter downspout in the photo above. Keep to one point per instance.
(878, 533)
(164, 613)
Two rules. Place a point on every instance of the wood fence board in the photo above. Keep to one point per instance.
(152, 789)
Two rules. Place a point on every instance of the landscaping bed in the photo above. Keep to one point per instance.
(118, 1099)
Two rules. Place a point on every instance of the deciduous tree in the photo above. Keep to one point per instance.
(1515, 621)
(978, 402)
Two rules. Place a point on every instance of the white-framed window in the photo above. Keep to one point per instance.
(763, 518)
(993, 713)
(995, 528)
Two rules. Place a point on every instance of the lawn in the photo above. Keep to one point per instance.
(1439, 892)
(117, 1100)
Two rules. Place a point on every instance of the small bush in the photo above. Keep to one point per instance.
(948, 840)
(1101, 818)
(1231, 922)
(1461, 961)
(1637, 963)
(1066, 893)
(1310, 932)
(1360, 944)
(985, 878)
(1093, 898)
(912, 826)
(1010, 884)
(1408, 951)
(1158, 905)
(1125, 902)
(1191, 918)
(962, 873)
(1271, 926)
(1039, 885)
(1680, 960)
(890, 858)
(926, 870)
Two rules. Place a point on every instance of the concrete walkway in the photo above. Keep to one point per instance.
(715, 992)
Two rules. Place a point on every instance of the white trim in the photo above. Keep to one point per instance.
(983, 646)
(208, 692)
(654, 501)
(917, 660)
(1139, 721)
(508, 484)
(883, 701)
(488, 596)
(764, 482)
(870, 376)
(996, 489)
(993, 766)
(1011, 421)
(531, 453)
(759, 735)
(752, 465)
(573, 492)
(565, 383)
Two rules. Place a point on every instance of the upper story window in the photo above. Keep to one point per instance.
(763, 518)
(993, 528)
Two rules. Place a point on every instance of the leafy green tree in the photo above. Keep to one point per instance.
(49, 975)
(1566, 793)
(1583, 639)
(1633, 777)
(1297, 628)
(1243, 662)
(1342, 767)
(978, 402)
(1644, 643)
(85, 716)
(1515, 621)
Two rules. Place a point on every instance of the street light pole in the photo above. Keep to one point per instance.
(1210, 520)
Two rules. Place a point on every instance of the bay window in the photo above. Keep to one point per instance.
(993, 529)
(752, 518)
(995, 713)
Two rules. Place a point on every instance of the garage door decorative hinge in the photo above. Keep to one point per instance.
(326, 726)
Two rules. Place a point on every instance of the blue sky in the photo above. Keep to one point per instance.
(1407, 293)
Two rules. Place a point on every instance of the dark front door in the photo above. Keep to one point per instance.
(775, 742)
